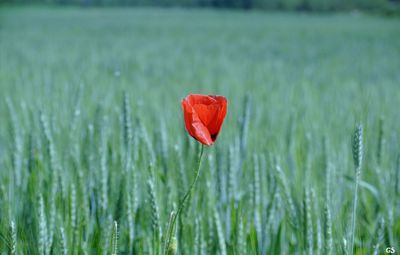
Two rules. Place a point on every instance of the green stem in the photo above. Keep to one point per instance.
(353, 218)
(182, 203)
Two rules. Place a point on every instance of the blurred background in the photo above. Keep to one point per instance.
(91, 129)
(384, 6)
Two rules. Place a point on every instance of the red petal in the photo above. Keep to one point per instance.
(194, 125)
(201, 99)
(207, 113)
(215, 126)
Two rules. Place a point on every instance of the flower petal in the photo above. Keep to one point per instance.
(215, 126)
(204, 115)
(194, 125)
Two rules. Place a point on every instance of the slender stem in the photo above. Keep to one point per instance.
(182, 203)
(353, 216)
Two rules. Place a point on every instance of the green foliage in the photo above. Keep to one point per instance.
(92, 134)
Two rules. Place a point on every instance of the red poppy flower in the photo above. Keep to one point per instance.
(204, 116)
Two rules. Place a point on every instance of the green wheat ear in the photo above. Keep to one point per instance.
(173, 246)
(170, 246)
(114, 239)
(63, 242)
(358, 146)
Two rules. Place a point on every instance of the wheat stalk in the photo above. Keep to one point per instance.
(221, 238)
(13, 238)
(357, 156)
(380, 237)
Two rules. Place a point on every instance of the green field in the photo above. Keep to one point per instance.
(92, 132)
